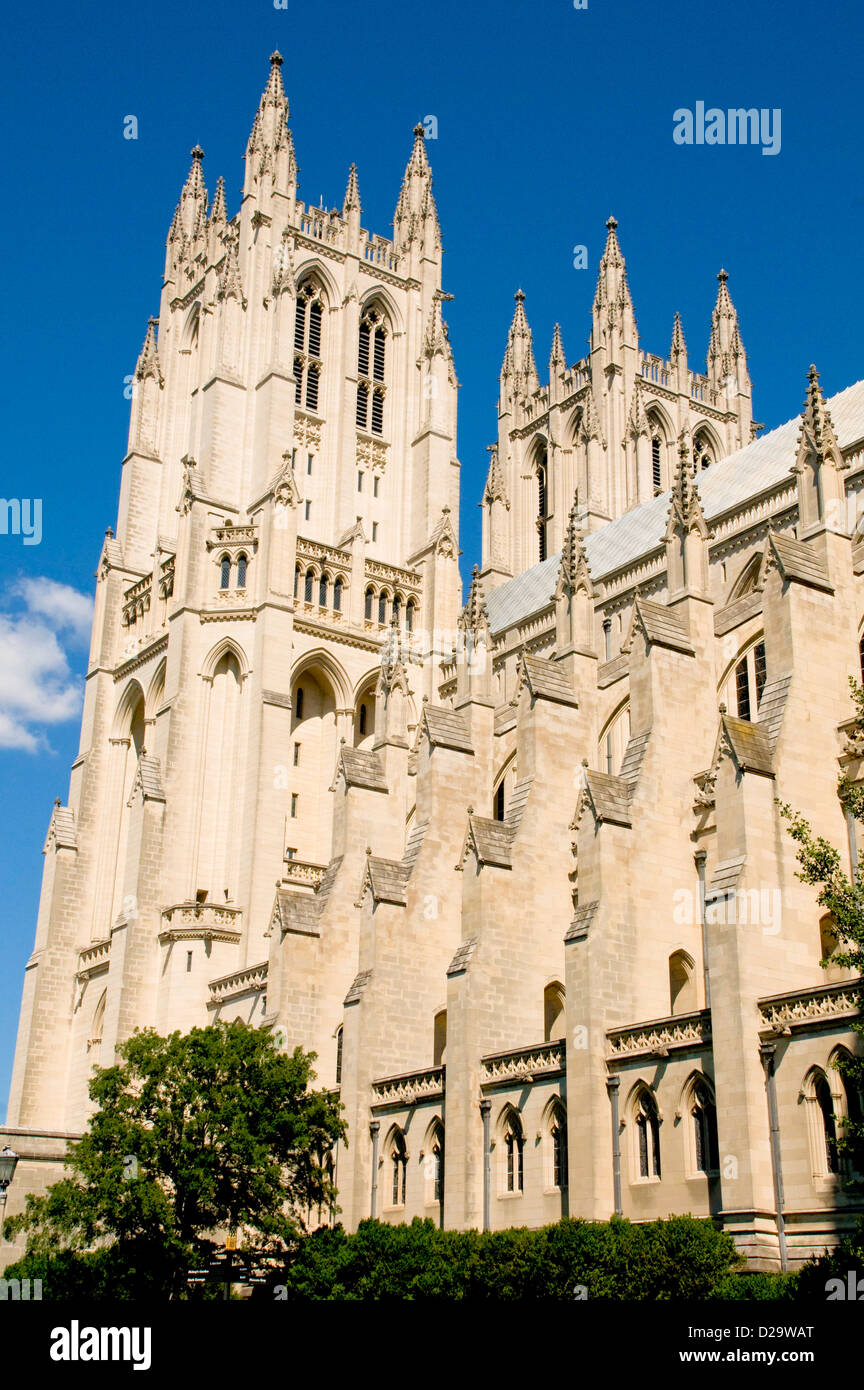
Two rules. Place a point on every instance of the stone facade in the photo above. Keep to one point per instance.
(514, 870)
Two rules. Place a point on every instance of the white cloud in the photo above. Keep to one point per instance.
(37, 685)
(62, 607)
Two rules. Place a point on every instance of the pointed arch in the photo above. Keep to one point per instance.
(645, 1119)
(97, 1025)
(553, 1129)
(130, 707)
(322, 660)
(511, 1138)
(743, 680)
(189, 337)
(823, 1110)
(682, 983)
(156, 690)
(434, 1153)
(614, 737)
(698, 1108)
(748, 579)
(396, 1167)
(554, 1015)
(380, 297)
(313, 268)
(708, 433)
(226, 646)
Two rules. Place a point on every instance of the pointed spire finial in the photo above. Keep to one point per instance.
(679, 346)
(352, 193)
(276, 59)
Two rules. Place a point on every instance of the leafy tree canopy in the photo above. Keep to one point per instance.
(192, 1133)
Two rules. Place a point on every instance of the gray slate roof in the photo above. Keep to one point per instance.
(758, 468)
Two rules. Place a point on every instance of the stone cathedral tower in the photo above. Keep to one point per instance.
(290, 490)
(525, 889)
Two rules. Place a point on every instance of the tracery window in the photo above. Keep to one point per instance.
(371, 371)
(647, 1135)
(225, 572)
(703, 454)
(398, 1169)
(514, 1144)
(542, 505)
(703, 1113)
(308, 363)
(750, 681)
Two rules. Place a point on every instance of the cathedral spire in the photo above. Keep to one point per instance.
(230, 285)
(218, 213)
(187, 233)
(519, 370)
(148, 361)
(416, 209)
(352, 194)
(819, 466)
(725, 348)
(557, 360)
(495, 490)
(613, 320)
(679, 346)
(270, 162)
(687, 533)
(193, 197)
(612, 289)
(574, 593)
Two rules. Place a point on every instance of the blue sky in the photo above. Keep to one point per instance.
(549, 119)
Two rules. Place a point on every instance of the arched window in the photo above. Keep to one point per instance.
(370, 598)
(703, 454)
(647, 1125)
(557, 1132)
(308, 363)
(241, 571)
(409, 615)
(657, 464)
(682, 983)
(382, 607)
(825, 1101)
(499, 801)
(542, 505)
(298, 703)
(322, 591)
(297, 573)
(362, 720)
(437, 1156)
(703, 1114)
(339, 1035)
(309, 586)
(398, 1169)
(225, 572)
(337, 595)
(749, 682)
(371, 371)
(554, 1017)
(514, 1144)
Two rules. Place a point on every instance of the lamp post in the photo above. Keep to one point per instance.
(8, 1164)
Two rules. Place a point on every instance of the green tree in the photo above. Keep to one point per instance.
(212, 1129)
(843, 897)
